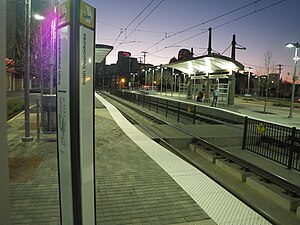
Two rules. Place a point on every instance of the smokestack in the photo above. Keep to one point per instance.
(233, 44)
(209, 41)
(192, 53)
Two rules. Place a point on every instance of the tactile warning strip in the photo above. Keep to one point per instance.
(218, 203)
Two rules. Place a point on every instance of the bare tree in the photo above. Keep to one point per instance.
(39, 43)
(265, 71)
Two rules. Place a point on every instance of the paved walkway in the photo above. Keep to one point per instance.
(130, 187)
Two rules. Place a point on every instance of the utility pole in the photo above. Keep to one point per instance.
(144, 53)
(139, 70)
(279, 73)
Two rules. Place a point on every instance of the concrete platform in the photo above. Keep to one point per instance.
(130, 187)
(133, 186)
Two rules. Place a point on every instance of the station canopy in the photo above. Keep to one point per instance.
(101, 51)
(207, 64)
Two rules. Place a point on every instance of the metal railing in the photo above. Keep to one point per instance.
(273, 141)
(184, 112)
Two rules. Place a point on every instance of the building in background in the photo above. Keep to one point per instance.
(123, 74)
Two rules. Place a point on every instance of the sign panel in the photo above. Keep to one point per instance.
(63, 11)
(261, 128)
(87, 15)
(63, 115)
(86, 125)
(75, 134)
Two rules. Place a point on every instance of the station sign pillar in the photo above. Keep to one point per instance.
(75, 111)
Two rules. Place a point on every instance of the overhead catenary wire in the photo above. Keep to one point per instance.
(134, 29)
(223, 24)
(202, 23)
(132, 21)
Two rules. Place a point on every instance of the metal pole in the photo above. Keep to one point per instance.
(294, 78)
(146, 77)
(5, 217)
(172, 87)
(178, 112)
(194, 89)
(175, 75)
(133, 81)
(27, 136)
(37, 120)
(194, 114)
(248, 89)
(152, 79)
(161, 80)
(244, 143)
(166, 80)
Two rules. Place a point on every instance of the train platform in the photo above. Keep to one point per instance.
(137, 180)
(254, 109)
(292, 176)
(251, 107)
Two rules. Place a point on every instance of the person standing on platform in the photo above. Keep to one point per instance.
(216, 94)
(200, 96)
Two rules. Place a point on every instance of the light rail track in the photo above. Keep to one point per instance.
(290, 188)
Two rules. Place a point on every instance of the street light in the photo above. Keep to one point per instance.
(296, 46)
(27, 136)
(248, 89)
(39, 17)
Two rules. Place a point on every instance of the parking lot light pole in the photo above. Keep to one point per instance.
(296, 46)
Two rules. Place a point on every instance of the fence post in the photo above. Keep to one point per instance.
(245, 133)
(143, 101)
(49, 117)
(37, 120)
(178, 111)
(292, 148)
(167, 103)
(194, 115)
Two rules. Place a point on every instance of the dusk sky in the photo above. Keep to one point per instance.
(259, 26)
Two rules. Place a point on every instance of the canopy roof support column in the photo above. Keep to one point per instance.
(207, 85)
(231, 89)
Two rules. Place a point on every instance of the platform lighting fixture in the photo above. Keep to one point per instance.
(39, 17)
(296, 46)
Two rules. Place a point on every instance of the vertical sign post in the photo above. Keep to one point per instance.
(5, 218)
(75, 112)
